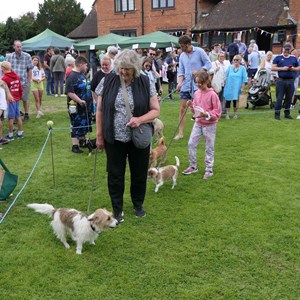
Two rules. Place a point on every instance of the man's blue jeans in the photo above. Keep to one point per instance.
(284, 91)
(50, 82)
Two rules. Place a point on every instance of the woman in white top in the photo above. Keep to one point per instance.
(267, 64)
(218, 71)
(147, 70)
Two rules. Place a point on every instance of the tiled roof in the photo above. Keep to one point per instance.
(87, 29)
(241, 14)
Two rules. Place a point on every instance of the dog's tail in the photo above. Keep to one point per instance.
(177, 162)
(46, 209)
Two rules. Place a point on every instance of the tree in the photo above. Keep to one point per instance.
(13, 31)
(27, 23)
(21, 28)
(2, 33)
(61, 16)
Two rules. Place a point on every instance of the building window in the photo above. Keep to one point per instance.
(124, 5)
(129, 32)
(163, 4)
(279, 36)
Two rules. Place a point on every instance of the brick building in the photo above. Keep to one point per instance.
(270, 23)
(294, 8)
(138, 17)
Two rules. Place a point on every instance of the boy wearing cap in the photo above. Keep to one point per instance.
(15, 87)
(287, 66)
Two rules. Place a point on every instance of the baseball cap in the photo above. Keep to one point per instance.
(287, 46)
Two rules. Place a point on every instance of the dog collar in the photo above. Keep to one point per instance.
(93, 228)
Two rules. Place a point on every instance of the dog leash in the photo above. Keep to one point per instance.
(87, 119)
(93, 183)
(170, 143)
(167, 96)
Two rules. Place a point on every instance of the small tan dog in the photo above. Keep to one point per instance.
(159, 153)
(158, 128)
(80, 227)
(160, 175)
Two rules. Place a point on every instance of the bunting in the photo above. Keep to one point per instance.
(255, 29)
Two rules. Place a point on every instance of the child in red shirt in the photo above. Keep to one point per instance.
(15, 87)
(5, 96)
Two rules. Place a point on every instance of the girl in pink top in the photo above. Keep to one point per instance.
(207, 109)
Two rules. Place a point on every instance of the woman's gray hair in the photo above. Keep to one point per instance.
(113, 50)
(128, 59)
(69, 60)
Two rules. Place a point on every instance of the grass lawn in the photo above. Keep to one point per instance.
(234, 236)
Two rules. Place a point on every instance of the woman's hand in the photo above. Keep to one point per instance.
(100, 142)
(134, 122)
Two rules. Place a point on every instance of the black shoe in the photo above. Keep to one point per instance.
(21, 113)
(26, 117)
(119, 217)
(76, 149)
(288, 117)
(139, 212)
(277, 117)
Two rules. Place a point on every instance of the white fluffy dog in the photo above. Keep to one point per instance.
(160, 175)
(80, 227)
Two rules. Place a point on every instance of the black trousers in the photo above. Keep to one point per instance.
(117, 155)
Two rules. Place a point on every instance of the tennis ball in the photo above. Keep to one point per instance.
(50, 124)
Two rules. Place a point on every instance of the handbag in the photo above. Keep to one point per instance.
(8, 182)
(141, 136)
(215, 83)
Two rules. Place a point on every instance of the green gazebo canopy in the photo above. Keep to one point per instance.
(158, 38)
(101, 42)
(45, 39)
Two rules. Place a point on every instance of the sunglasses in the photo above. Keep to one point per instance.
(152, 54)
(147, 66)
(236, 60)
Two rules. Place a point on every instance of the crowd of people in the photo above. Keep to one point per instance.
(99, 88)
(232, 69)
(22, 74)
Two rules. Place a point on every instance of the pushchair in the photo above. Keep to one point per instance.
(259, 93)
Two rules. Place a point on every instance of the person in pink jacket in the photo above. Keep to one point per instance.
(207, 110)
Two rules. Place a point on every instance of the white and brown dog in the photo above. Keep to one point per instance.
(160, 175)
(80, 227)
(159, 153)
